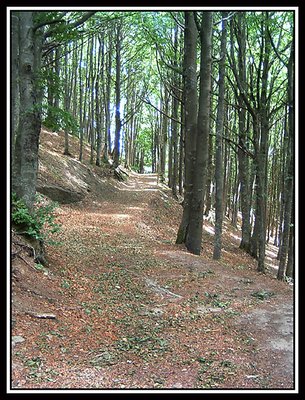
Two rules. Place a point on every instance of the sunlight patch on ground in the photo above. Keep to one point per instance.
(49, 132)
(136, 208)
(129, 184)
(73, 178)
(139, 190)
(54, 153)
(272, 251)
(177, 254)
(271, 254)
(270, 264)
(98, 215)
(209, 229)
(115, 216)
(234, 236)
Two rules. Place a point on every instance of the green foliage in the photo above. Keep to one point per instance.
(34, 362)
(40, 222)
(57, 119)
(144, 143)
(65, 284)
(262, 294)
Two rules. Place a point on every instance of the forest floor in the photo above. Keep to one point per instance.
(120, 306)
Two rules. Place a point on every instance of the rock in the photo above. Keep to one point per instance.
(60, 194)
(17, 339)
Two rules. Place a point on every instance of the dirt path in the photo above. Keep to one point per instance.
(133, 310)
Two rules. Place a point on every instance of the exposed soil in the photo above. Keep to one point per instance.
(120, 306)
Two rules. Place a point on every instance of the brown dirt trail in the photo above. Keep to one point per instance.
(134, 310)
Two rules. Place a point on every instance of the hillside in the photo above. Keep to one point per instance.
(120, 306)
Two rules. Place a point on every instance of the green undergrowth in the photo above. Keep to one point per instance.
(38, 223)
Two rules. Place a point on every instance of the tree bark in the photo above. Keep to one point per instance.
(107, 144)
(118, 124)
(25, 164)
(190, 109)
(81, 126)
(99, 114)
(289, 177)
(219, 134)
(194, 234)
(67, 101)
(174, 121)
(242, 157)
(264, 145)
(15, 100)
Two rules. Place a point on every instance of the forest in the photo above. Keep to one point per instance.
(201, 102)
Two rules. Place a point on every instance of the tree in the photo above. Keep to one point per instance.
(258, 97)
(194, 234)
(196, 146)
(14, 75)
(219, 135)
(190, 109)
(25, 163)
(32, 39)
(290, 172)
(118, 124)
(243, 157)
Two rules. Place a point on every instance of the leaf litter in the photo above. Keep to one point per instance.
(134, 310)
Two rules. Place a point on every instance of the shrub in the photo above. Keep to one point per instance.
(40, 222)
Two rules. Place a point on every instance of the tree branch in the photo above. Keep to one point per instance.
(244, 149)
(75, 24)
(42, 24)
(161, 112)
(176, 20)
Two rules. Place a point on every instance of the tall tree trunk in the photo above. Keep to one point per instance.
(291, 250)
(181, 152)
(107, 144)
(255, 233)
(15, 100)
(81, 126)
(118, 124)
(163, 143)
(209, 190)
(175, 148)
(74, 81)
(174, 121)
(99, 114)
(194, 234)
(219, 134)
(242, 157)
(290, 172)
(49, 120)
(190, 109)
(67, 101)
(91, 113)
(264, 145)
(57, 72)
(25, 165)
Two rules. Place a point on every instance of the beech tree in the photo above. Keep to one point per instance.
(25, 163)
(190, 230)
(31, 41)
(219, 135)
(190, 109)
